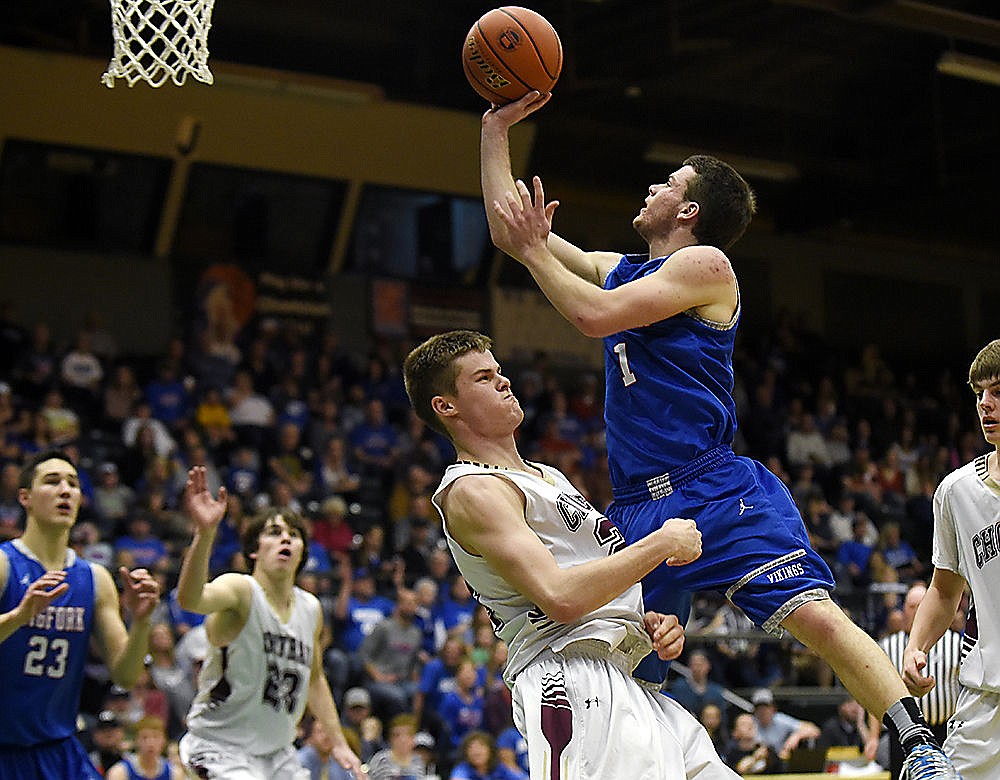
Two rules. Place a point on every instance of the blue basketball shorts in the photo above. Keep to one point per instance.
(755, 549)
(59, 758)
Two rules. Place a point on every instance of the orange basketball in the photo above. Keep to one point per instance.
(509, 52)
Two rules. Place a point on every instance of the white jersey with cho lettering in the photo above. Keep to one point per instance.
(574, 532)
(252, 692)
(967, 541)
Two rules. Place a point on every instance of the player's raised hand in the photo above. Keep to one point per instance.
(685, 538)
(527, 218)
(141, 592)
(667, 634)
(205, 510)
(42, 592)
(914, 663)
(511, 113)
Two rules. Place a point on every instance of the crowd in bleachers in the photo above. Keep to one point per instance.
(285, 418)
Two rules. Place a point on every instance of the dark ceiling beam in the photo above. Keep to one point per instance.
(914, 15)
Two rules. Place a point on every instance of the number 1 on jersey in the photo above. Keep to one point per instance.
(628, 378)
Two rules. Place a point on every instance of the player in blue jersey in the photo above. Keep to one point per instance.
(51, 604)
(668, 320)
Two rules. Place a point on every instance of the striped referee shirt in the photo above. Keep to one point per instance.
(942, 664)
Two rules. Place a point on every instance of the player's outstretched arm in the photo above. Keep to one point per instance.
(934, 615)
(486, 515)
(498, 181)
(194, 592)
(695, 276)
(323, 708)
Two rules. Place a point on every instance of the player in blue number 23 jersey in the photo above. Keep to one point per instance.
(668, 320)
(51, 603)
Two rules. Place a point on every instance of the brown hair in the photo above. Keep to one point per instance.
(250, 538)
(986, 365)
(429, 370)
(726, 203)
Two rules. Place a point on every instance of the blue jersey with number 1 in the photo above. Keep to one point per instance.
(669, 387)
(42, 662)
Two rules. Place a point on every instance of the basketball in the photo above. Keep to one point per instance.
(509, 52)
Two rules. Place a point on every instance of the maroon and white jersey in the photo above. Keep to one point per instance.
(574, 532)
(967, 541)
(252, 692)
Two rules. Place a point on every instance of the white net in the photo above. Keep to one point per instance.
(157, 40)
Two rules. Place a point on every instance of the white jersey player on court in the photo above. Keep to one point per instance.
(264, 665)
(966, 554)
(558, 582)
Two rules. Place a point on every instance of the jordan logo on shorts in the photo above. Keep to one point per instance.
(744, 507)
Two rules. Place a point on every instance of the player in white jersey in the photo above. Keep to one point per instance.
(264, 667)
(558, 582)
(966, 554)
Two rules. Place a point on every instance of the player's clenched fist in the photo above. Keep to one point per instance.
(685, 541)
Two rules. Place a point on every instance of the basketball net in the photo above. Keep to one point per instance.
(156, 40)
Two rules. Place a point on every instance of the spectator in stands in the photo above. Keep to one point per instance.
(436, 679)
(842, 519)
(463, 709)
(854, 558)
(171, 677)
(400, 759)
(359, 608)
(161, 442)
(698, 690)
(357, 710)
(318, 560)
(81, 375)
(140, 547)
(375, 444)
(334, 474)
(147, 760)
(62, 423)
(316, 755)
(251, 413)
(168, 396)
(747, 753)
(898, 554)
(243, 474)
(477, 757)
(457, 609)
(427, 598)
(805, 443)
(711, 718)
(291, 461)
(120, 396)
(214, 423)
(86, 542)
(113, 501)
(324, 423)
(332, 528)
(390, 656)
(847, 728)
(778, 730)
(106, 740)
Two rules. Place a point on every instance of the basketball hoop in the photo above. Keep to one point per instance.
(156, 40)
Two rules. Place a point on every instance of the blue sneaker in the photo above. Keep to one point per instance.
(927, 762)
